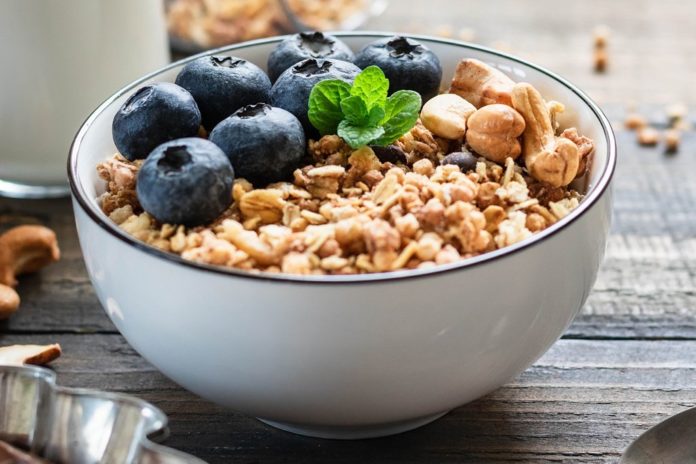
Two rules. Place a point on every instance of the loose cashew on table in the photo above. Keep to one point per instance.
(23, 249)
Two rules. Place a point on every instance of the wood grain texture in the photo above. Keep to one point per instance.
(584, 401)
(627, 362)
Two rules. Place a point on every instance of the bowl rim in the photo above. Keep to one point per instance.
(596, 192)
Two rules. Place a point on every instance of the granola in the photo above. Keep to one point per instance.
(350, 213)
(396, 185)
(212, 23)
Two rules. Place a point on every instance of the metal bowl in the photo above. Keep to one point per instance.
(80, 426)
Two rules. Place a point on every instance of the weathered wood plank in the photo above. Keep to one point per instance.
(584, 401)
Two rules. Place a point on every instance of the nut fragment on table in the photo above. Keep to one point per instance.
(493, 132)
(601, 40)
(481, 84)
(17, 355)
(445, 115)
(676, 113)
(648, 136)
(635, 121)
(672, 139)
(551, 159)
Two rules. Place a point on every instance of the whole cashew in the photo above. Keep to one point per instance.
(548, 158)
(26, 249)
(481, 84)
(9, 301)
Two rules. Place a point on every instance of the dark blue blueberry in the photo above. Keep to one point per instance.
(305, 45)
(185, 181)
(264, 144)
(154, 114)
(390, 154)
(291, 90)
(222, 84)
(464, 159)
(408, 64)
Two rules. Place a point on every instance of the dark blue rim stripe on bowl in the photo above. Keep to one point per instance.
(588, 201)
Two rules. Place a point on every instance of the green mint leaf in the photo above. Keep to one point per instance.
(372, 86)
(325, 105)
(375, 117)
(401, 114)
(358, 136)
(354, 110)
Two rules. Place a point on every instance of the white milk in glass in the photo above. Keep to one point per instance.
(58, 60)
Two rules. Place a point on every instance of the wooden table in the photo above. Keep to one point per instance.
(627, 362)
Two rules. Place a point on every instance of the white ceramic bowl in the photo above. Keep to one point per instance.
(348, 356)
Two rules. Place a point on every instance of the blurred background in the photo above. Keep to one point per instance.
(632, 56)
(648, 43)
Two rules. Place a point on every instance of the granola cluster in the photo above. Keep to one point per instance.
(352, 211)
(211, 23)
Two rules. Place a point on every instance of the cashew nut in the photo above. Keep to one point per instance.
(493, 132)
(17, 355)
(26, 249)
(548, 158)
(446, 115)
(9, 301)
(481, 84)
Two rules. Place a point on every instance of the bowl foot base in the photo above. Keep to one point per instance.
(354, 432)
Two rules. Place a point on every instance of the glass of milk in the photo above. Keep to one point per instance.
(60, 59)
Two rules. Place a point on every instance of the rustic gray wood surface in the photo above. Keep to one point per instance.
(627, 362)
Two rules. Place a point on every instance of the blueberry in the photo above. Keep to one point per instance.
(154, 114)
(464, 159)
(222, 84)
(390, 154)
(264, 144)
(185, 181)
(291, 90)
(408, 64)
(305, 45)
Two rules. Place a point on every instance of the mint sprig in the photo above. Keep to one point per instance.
(362, 114)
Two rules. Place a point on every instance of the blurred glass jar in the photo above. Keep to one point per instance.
(196, 25)
(60, 60)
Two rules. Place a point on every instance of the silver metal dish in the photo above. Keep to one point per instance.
(80, 426)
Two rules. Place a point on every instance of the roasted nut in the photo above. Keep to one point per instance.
(481, 84)
(493, 132)
(648, 136)
(17, 355)
(585, 149)
(676, 113)
(548, 158)
(672, 138)
(635, 121)
(9, 301)
(601, 60)
(446, 115)
(600, 36)
(26, 249)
